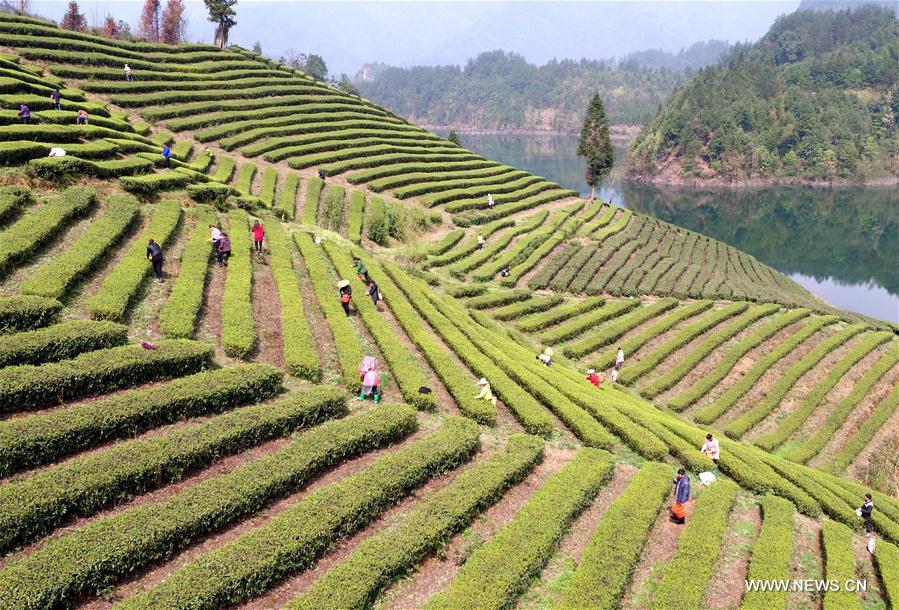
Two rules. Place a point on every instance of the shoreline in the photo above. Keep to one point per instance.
(616, 132)
(764, 183)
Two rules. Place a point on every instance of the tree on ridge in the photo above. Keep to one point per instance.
(221, 13)
(595, 144)
(148, 27)
(173, 22)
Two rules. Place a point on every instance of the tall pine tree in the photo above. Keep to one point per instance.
(221, 13)
(73, 19)
(595, 145)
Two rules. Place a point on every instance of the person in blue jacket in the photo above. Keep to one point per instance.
(681, 496)
(167, 155)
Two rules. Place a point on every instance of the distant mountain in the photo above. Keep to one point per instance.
(817, 98)
(503, 91)
(845, 5)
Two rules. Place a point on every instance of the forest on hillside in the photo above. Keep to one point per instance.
(503, 91)
(817, 98)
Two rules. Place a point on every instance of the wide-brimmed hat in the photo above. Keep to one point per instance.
(548, 351)
(482, 381)
(343, 283)
(591, 371)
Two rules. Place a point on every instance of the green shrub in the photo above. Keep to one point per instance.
(12, 198)
(589, 319)
(839, 566)
(460, 200)
(612, 331)
(314, 186)
(810, 401)
(557, 315)
(245, 174)
(118, 291)
(332, 211)
(23, 151)
(385, 157)
(300, 355)
(91, 558)
(446, 242)
(609, 560)
(710, 342)
(213, 109)
(458, 382)
(355, 214)
(688, 574)
(724, 402)
(25, 312)
(296, 537)
(224, 169)
(287, 200)
(238, 325)
(886, 562)
(471, 245)
(497, 299)
(346, 341)
(401, 361)
(376, 221)
(22, 240)
(27, 387)
(397, 169)
(44, 437)
(858, 441)
(60, 342)
(182, 308)
(212, 193)
(810, 447)
(376, 561)
(515, 311)
(404, 187)
(85, 484)
(57, 277)
(772, 554)
(569, 258)
(519, 205)
(498, 571)
(702, 386)
(760, 410)
(150, 184)
(311, 106)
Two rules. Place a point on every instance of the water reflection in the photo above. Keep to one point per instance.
(841, 244)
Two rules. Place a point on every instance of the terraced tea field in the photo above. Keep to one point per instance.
(233, 465)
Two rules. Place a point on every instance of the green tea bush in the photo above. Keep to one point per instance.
(446, 242)
(224, 169)
(388, 158)
(26, 387)
(311, 106)
(238, 106)
(238, 325)
(314, 186)
(810, 401)
(557, 315)
(26, 312)
(332, 210)
(56, 278)
(22, 240)
(839, 566)
(45, 437)
(287, 200)
(83, 485)
(182, 309)
(296, 537)
(609, 560)
(772, 554)
(427, 180)
(497, 299)
(518, 205)
(213, 193)
(12, 198)
(119, 289)
(355, 214)
(760, 410)
(60, 342)
(245, 174)
(688, 574)
(405, 368)
(119, 544)
(515, 311)
(460, 200)
(346, 341)
(612, 331)
(377, 173)
(497, 572)
(267, 188)
(457, 182)
(585, 321)
(702, 386)
(354, 583)
(150, 184)
(724, 402)
(866, 432)
(886, 562)
(300, 355)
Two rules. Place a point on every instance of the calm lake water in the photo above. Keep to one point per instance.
(841, 244)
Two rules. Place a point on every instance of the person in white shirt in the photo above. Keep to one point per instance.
(128, 76)
(614, 375)
(56, 151)
(711, 448)
(619, 358)
(489, 201)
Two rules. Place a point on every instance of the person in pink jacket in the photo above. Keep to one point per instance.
(371, 379)
(711, 448)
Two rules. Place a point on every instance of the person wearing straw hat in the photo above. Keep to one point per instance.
(485, 393)
(547, 356)
(346, 293)
(594, 378)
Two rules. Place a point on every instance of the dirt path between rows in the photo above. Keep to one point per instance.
(726, 587)
(267, 315)
(807, 562)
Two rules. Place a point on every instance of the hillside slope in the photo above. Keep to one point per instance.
(815, 99)
(237, 463)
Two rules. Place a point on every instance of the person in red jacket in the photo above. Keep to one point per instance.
(258, 234)
(594, 378)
